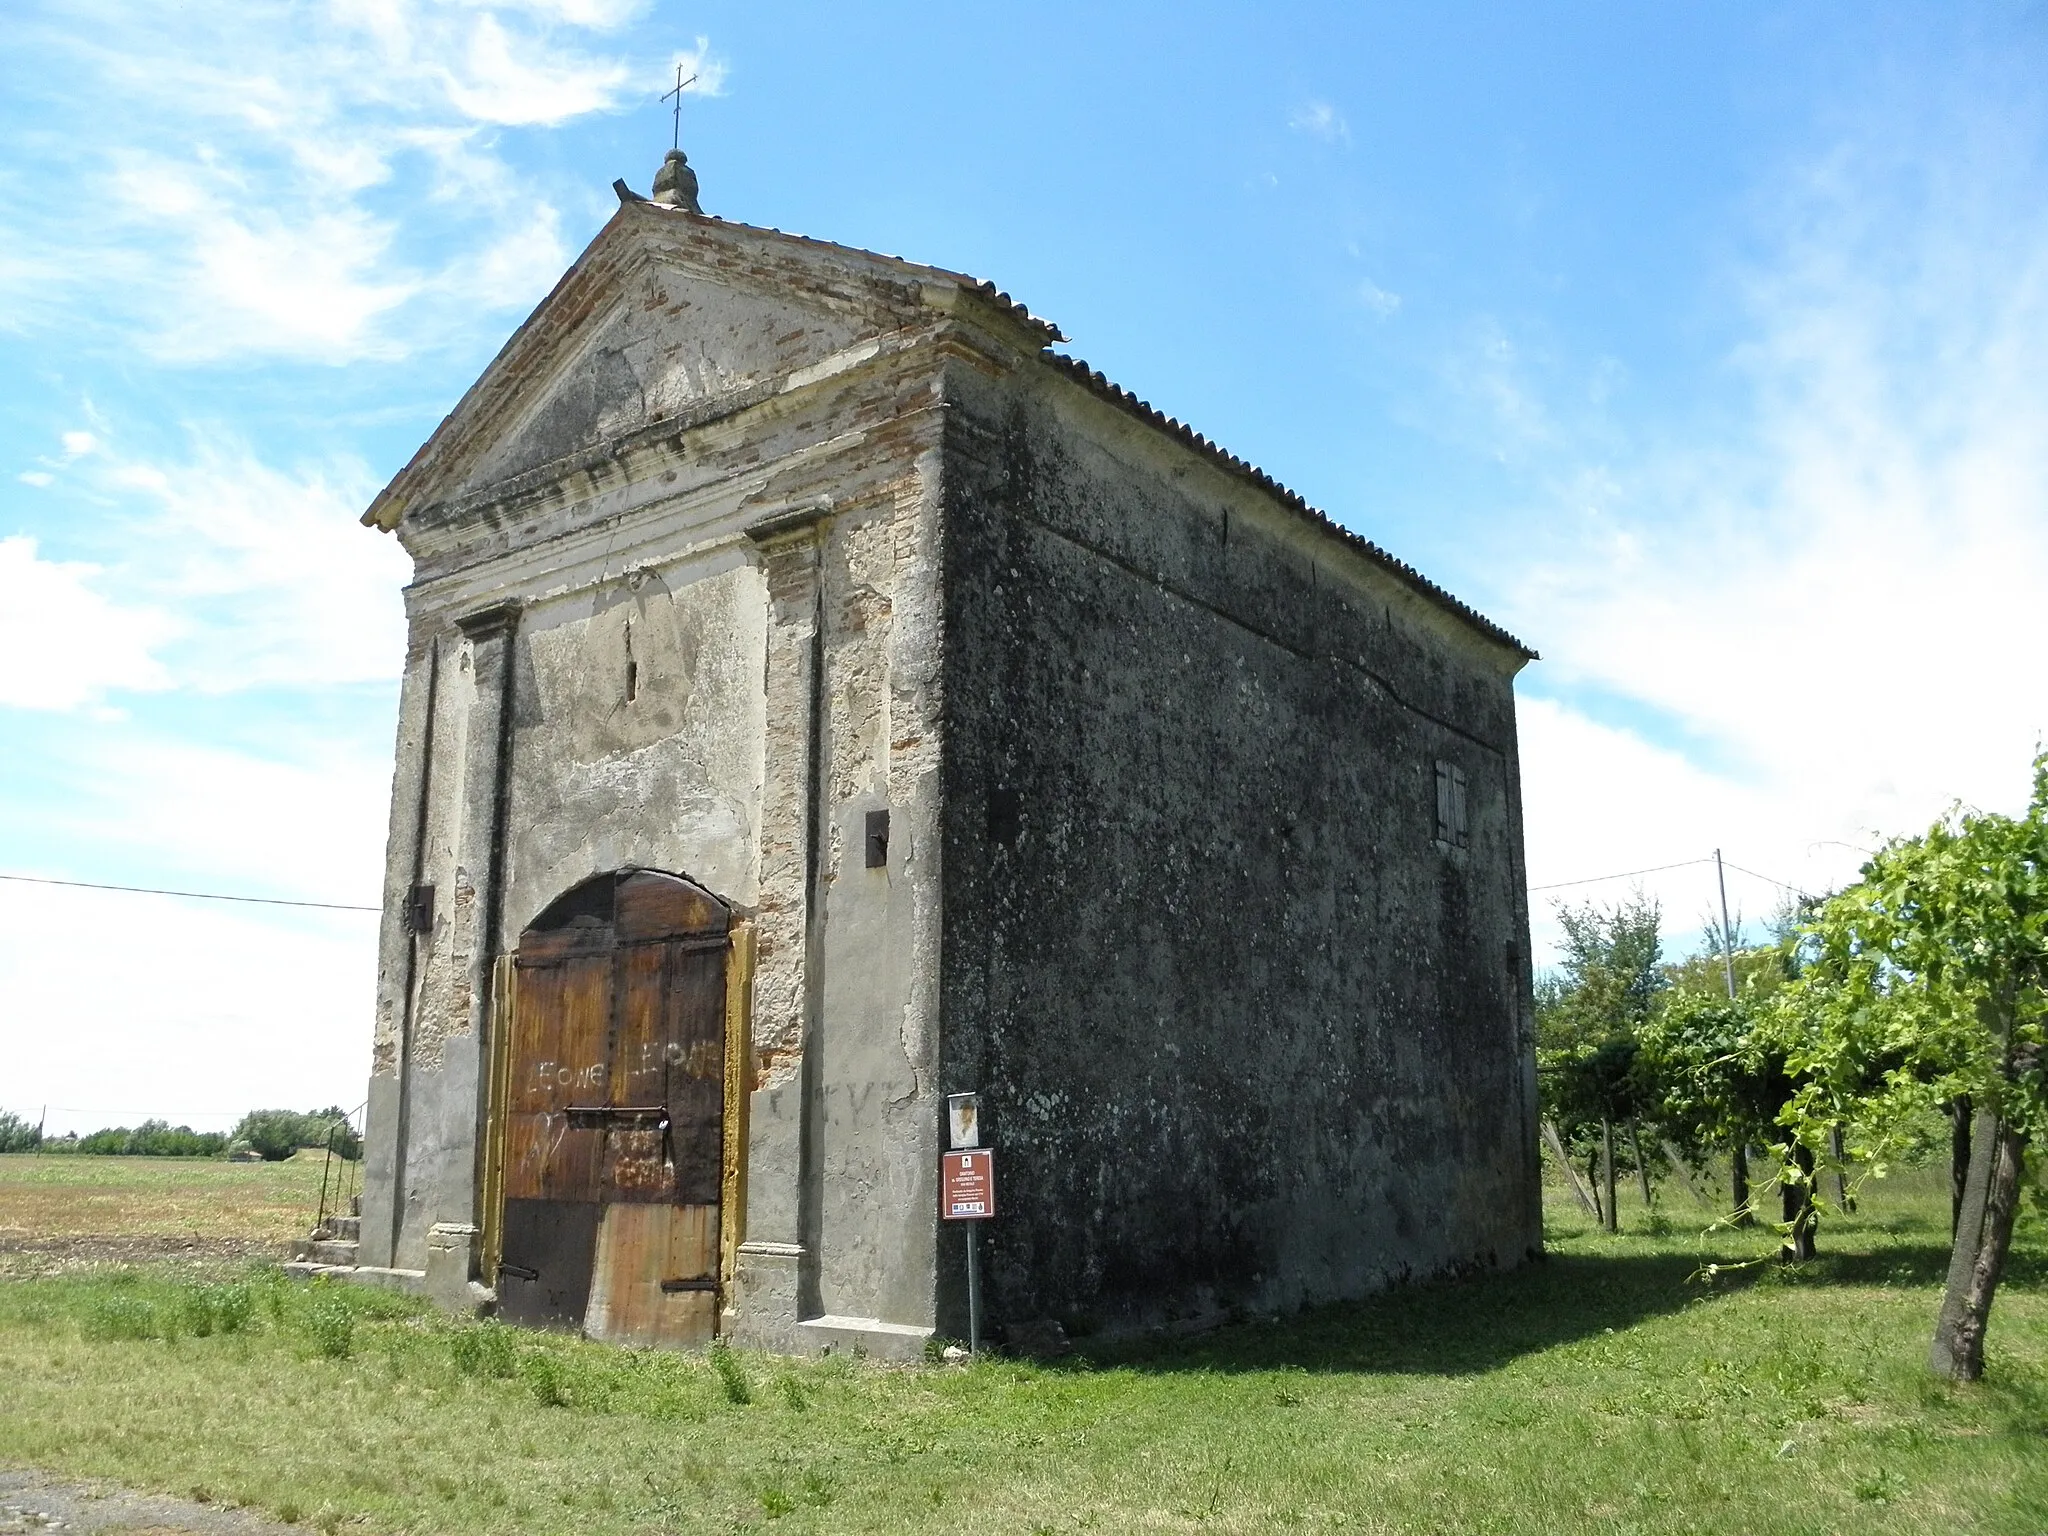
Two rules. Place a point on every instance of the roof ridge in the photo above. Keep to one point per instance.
(1109, 390)
(1089, 377)
(1100, 384)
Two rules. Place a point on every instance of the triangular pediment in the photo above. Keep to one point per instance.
(664, 315)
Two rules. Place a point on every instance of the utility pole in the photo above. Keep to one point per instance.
(1738, 1163)
(1727, 934)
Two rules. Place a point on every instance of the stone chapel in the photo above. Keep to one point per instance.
(823, 695)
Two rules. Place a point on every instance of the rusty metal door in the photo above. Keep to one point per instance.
(615, 1113)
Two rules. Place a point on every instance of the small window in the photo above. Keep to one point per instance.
(1451, 827)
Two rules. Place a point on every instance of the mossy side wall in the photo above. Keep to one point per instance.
(1249, 1034)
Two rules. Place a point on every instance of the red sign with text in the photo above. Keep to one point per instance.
(967, 1185)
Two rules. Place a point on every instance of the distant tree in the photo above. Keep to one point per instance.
(153, 1138)
(334, 1119)
(275, 1134)
(1928, 987)
(17, 1134)
(1589, 1014)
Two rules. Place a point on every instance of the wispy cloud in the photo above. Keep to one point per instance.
(1320, 120)
(254, 219)
(222, 572)
(1503, 407)
(1834, 601)
(67, 643)
(1378, 300)
(215, 1037)
(272, 578)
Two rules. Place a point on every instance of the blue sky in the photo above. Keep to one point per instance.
(1701, 345)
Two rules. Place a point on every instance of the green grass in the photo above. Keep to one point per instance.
(67, 1195)
(1607, 1389)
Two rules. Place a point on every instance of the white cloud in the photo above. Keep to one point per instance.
(39, 478)
(505, 81)
(1600, 800)
(305, 821)
(1836, 607)
(225, 573)
(1505, 412)
(1377, 299)
(708, 69)
(255, 282)
(256, 219)
(66, 644)
(1320, 120)
(273, 578)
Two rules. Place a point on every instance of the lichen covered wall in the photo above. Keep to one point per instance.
(1248, 1036)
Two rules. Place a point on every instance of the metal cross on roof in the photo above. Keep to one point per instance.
(681, 86)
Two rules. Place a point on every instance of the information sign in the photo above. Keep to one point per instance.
(967, 1189)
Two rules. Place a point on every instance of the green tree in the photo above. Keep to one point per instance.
(17, 1134)
(1721, 1073)
(1924, 988)
(153, 1138)
(1589, 1013)
(276, 1134)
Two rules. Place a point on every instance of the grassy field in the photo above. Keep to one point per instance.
(65, 1212)
(1607, 1389)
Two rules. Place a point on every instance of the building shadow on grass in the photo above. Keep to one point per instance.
(1444, 1328)
(1460, 1327)
(1905, 1264)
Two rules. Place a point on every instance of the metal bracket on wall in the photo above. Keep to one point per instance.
(419, 909)
(595, 1117)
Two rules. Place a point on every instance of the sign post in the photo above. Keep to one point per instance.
(967, 1192)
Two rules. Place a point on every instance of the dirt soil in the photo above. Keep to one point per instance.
(65, 1212)
(36, 1502)
(39, 1258)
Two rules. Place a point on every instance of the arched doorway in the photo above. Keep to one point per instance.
(613, 1112)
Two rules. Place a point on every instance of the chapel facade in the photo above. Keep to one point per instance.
(823, 696)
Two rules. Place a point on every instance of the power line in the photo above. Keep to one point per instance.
(1558, 885)
(150, 890)
(337, 906)
(1783, 885)
(1627, 874)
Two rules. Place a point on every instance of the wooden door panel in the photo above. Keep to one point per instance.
(696, 1080)
(559, 1034)
(615, 1112)
(637, 1167)
(655, 1280)
(640, 1052)
(547, 1158)
(696, 1138)
(544, 1277)
(648, 905)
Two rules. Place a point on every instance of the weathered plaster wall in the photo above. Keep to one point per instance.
(1247, 1035)
(874, 1102)
(771, 579)
(666, 778)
